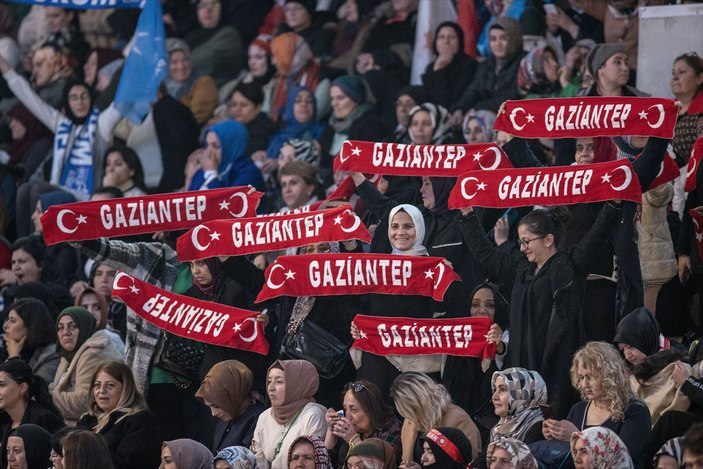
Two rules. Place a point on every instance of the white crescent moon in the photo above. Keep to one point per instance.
(695, 222)
(661, 169)
(512, 116)
(628, 178)
(498, 158)
(343, 158)
(660, 108)
(463, 188)
(116, 283)
(691, 168)
(269, 283)
(245, 204)
(441, 273)
(357, 222)
(59, 221)
(254, 335)
(194, 238)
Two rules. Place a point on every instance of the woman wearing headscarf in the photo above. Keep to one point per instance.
(609, 64)
(512, 452)
(234, 457)
(306, 447)
(216, 48)
(478, 127)
(542, 76)
(291, 385)
(599, 448)
(31, 139)
(82, 349)
(28, 447)
(245, 104)
(446, 78)
(407, 98)
(185, 454)
(517, 394)
(225, 163)
(670, 455)
(429, 125)
(196, 91)
(299, 120)
(227, 391)
(637, 336)
(444, 448)
(372, 453)
(495, 80)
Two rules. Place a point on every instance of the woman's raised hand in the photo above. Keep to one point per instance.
(354, 331)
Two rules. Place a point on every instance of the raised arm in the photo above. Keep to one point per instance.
(24, 92)
(586, 250)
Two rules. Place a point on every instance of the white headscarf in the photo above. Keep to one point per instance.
(418, 249)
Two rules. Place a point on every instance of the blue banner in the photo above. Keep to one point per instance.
(82, 4)
(146, 65)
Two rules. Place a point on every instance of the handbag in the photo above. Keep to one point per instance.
(313, 343)
(179, 356)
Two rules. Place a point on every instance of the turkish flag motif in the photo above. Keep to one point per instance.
(697, 217)
(693, 163)
(668, 171)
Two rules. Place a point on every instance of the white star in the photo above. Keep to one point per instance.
(605, 178)
(643, 115)
(237, 327)
(224, 205)
(530, 118)
(481, 186)
(134, 289)
(81, 219)
(477, 156)
(214, 236)
(362, 335)
(429, 273)
(290, 275)
(699, 237)
(338, 220)
(356, 151)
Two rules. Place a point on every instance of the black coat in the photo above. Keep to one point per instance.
(623, 237)
(237, 432)
(546, 326)
(489, 90)
(447, 85)
(134, 442)
(36, 414)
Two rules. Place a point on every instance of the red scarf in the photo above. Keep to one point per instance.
(356, 274)
(668, 171)
(399, 159)
(262, 234)
(693, 163)
(145, 214)
(203, 321)
(589, 117)
(465, 337)
(560, 185)
(697, 217)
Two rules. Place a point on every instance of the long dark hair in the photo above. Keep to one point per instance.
(37, 389)
(370, 400)
(132, 160)
(545, 221)
(83, 449)
(695, 62)
(38, 321)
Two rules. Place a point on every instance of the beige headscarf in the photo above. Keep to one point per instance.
(228, 386)
(302, 381)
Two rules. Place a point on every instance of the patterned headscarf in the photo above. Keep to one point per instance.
(520, 454)
(527, 390)
(322, 458)
(531, 77)
(417, 249)
(238, 457)
(485, 119)
(375, 453)
(605, 447)
(672, 448)
(440, 122)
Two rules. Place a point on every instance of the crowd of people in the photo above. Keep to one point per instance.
(596, 308)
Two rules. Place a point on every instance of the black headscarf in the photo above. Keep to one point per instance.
(66, 108)
(639, 329)
(451, 448)
(441, 187)
(502, 314)
(459, 33)
(86, 328)
(37, 445)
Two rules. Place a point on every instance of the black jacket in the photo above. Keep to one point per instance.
(36, 414)
(447, 85)
(237, 432)
(546, 326)
(134, 442)
(489, 90)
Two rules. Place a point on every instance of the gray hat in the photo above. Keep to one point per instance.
(601, 53)
(173, 44)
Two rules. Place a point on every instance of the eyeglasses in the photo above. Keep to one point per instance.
(304, 457)
(526, 242)
(357, 387)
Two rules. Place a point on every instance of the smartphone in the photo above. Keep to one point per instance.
(550, 8)
(547, 411)
(340, 413)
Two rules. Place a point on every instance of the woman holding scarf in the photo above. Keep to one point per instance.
(79, 129)
(82, 350)
(291, 385)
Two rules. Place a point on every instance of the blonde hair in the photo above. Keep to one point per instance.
(419, 399)
(131, 400)
(604, 362)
